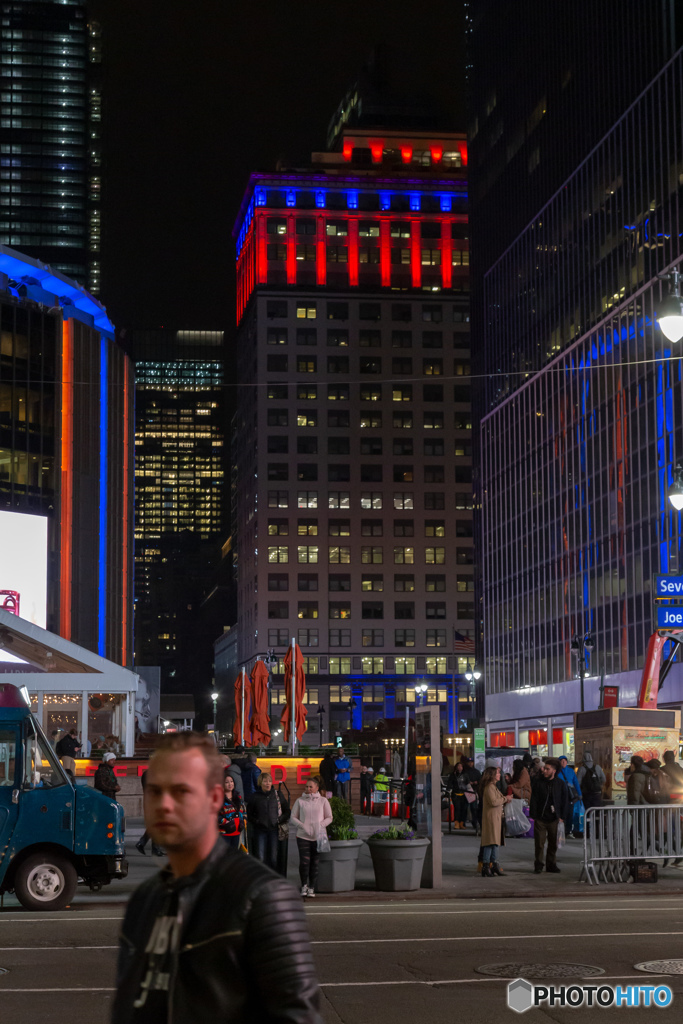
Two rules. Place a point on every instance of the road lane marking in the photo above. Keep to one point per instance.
(40, 949)
(468, 913)
(4, 990)
(512, 901)
(41, 921)
(488, 938)
(459, 981)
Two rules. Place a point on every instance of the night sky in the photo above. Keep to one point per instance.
(197, 95)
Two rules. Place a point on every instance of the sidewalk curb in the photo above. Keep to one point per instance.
(368, 895)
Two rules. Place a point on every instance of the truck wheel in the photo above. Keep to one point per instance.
(45, 881)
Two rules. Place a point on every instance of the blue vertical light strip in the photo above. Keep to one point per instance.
(102, 560)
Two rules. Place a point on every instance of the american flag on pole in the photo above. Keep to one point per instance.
(462, 644)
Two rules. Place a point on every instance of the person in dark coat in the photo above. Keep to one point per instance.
(250, 774)
(145, 838)
(366, 784)
(266, 810)
(549, 805)
(637, 781)
(327, 771)
(215, 937)
(69, 745)
(105, 780)
(673, 770)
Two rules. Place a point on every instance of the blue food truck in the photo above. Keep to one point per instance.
(53, 833)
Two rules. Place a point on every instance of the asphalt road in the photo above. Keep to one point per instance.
(404, 960)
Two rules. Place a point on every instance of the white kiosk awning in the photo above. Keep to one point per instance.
(69, 685)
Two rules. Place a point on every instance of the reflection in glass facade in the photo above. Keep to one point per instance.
(50, 118)
(583, 398)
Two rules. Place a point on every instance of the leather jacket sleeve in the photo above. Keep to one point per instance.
(285, 970)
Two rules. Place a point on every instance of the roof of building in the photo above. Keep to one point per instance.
(29, 278)
(46, 652)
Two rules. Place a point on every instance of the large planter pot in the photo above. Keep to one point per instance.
(398, 863)
(337, 869)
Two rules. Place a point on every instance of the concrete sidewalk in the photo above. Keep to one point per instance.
(461, 879)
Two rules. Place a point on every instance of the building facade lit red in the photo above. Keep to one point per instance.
(352, 508)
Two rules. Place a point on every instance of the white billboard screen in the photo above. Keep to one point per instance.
(23, 566)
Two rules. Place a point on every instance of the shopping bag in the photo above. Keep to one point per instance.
(323, 843)
(560, 835)
(516, 821)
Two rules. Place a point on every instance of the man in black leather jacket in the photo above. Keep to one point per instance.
(216, 937)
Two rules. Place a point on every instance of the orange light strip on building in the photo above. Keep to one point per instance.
(126, 511)
(66, 482)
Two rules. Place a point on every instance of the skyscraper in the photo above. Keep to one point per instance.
(50, 119)
(352, 468)
(180, 448)
(581, 393)
(66, 452)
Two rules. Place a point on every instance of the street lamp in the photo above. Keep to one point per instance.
(472, 675)
(421, 690)
(676, 489)
(320, 712)
(670, 318)
(581, 644)
(214, 698)
(352, 707)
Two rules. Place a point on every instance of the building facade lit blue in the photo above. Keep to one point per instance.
(583, 400)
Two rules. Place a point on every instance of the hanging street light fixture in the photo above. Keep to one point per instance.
(670, 317)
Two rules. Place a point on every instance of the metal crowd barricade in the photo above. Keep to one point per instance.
(614, 837)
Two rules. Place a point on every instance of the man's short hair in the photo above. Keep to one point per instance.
(181, 742)
(253, 758)
(72, 732)
(553, 762)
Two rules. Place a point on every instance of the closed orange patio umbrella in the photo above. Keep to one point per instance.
(260, 723)
(242, 701)
(298, 693)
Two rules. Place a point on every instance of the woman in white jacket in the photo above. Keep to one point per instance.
(311, 814)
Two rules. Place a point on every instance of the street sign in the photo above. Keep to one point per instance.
(670, 617)
(670, 585)
(610, 696)
(480, 749)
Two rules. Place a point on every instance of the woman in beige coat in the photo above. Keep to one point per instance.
(492, 831)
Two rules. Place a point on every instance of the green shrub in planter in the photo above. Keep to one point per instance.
(337, 867)
(343, 821)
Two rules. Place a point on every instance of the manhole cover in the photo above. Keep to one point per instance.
(661, 966)
(521, 970)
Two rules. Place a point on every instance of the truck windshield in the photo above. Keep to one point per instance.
(41, 767)
(8, 750)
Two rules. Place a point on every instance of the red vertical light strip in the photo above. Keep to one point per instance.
(321, 252)
(262, 274)
(446, 257)
(66, 482)
(462, 146)
(353, 252)
(291, 250)
(415, 254)
(385, 253)
(125, 546)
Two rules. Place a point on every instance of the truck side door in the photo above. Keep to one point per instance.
(46, 799)
(9, 788)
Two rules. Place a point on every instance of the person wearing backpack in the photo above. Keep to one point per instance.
(591, 779)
